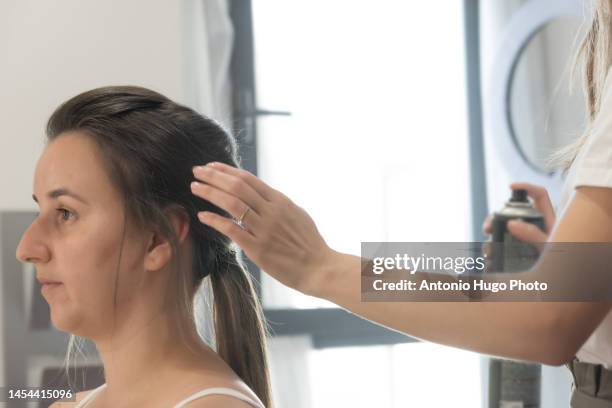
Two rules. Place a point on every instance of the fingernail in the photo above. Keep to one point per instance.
(194, 184)
(211, 164)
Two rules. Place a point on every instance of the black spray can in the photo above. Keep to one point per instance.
(508, 253)
(513, 383)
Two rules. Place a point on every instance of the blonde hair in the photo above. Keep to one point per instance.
(593, 58)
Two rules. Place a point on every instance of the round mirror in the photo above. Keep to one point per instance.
(543, 113)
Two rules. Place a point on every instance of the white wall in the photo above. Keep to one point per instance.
(52, 50)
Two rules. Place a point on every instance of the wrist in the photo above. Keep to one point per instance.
(318, 273)
(327, 276)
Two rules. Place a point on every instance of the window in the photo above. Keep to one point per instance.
(360, 116)
(377, 134)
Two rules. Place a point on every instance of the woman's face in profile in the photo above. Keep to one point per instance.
(77, 236)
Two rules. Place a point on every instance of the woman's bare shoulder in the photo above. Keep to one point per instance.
(213, 401)
(203, 380)
(70, 404)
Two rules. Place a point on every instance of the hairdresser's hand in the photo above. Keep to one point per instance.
(521, 230)
(280, 237)
(525, 231)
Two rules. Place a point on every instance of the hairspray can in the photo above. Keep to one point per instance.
(513, 383)
(508, 253)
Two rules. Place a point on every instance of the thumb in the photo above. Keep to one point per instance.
(525, 231)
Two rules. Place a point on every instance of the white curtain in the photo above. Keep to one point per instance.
(289, 371)
(209, 38)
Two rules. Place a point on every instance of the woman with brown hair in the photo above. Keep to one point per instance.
(121, 254)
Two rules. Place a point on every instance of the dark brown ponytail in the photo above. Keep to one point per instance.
(239, 327)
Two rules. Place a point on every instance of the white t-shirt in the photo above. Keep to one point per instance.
(593, 167)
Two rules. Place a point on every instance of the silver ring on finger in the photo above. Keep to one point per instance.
(240, 221)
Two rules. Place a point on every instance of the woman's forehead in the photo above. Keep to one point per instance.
(72, 162)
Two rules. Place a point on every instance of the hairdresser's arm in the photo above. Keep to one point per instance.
(283, 240)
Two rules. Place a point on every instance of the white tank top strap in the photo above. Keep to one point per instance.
(220, 391)
(89, 396)
(183, 403)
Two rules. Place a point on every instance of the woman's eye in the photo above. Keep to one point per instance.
(65, 212)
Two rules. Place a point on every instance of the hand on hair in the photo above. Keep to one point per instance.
(279, 236)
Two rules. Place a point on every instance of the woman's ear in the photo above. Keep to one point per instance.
(159, 250)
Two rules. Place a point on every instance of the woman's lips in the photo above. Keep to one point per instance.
(51, 286)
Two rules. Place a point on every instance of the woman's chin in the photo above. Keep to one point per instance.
(60, 324)
(61, 321)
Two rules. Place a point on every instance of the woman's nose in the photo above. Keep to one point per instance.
(31, 248)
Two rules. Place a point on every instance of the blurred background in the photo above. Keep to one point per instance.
(386, 120)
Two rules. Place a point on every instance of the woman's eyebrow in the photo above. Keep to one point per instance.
(53, 194)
